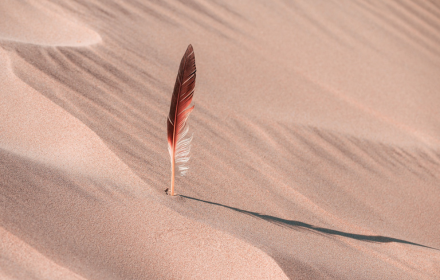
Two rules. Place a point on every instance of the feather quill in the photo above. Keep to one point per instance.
(177, 127)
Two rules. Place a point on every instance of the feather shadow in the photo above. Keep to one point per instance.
(301, 225)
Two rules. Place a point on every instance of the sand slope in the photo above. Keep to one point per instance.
(315, 153)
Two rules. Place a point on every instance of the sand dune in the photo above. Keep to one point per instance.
(316, 149)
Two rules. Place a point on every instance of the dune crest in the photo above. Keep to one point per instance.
(35, 127)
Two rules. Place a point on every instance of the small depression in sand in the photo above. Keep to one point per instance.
(31, 22)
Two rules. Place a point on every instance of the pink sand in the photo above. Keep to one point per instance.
(316, 151)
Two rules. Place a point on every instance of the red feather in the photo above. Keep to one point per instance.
(178, 145)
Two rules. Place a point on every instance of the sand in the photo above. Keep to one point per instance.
(316, 150)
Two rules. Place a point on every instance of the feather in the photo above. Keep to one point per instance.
(177, 127)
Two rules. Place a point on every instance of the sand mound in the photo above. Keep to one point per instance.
(35, 127)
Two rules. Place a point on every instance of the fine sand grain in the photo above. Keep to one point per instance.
(316, 150)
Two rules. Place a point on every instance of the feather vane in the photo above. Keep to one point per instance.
(177, 128)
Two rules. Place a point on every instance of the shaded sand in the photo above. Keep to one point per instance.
(316, 149)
